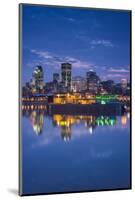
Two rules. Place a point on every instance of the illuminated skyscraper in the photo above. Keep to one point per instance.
(66, 74)
(38, 78)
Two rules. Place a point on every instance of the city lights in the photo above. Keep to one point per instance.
(65, 89)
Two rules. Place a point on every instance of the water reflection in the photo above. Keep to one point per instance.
(124, 120)
(73, 153)
(66, 122)
(36, 119)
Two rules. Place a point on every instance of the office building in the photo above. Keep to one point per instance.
(124, 83)
(66, 75)
(108, 86)
(78, 84)
(38, 79)
(92, 81)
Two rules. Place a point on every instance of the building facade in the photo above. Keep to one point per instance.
(66, 74)
(124, 83)
(108, 86)
(92, 81)
(38, 77)
(78, 84)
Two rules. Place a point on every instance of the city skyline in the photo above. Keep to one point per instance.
(84, 38)
(65, 82)
(59, 73)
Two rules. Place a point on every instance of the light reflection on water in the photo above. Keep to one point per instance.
(72, 153)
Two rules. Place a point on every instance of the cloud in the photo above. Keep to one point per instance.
(117, 72)
(116, 75)
(122, 70)
(42, 54)
(105, 43)
(50, 59)
(94, 42)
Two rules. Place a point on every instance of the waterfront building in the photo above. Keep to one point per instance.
(92, 81)
(73, 98)
(66, 69)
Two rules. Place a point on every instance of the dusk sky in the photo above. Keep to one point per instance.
(87, 38)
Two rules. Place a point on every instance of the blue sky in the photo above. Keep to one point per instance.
(87, 38)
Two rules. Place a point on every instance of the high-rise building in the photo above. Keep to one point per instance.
(124, 83)
(78, 84)
(66, 74)
(92, 81)
(38, 77)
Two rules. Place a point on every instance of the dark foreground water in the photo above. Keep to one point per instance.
(74, 153)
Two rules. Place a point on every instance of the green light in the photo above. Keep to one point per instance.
(106, 122)
(103, 102)
(111, 122)
(97, 121)
(107, 97)
(102, 122)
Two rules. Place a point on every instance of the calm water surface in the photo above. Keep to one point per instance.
(64, 153)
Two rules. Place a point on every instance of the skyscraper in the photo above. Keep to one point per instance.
(38, 78)
(78, 84)
(124, 83)
(92, 81)
(66, 74)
